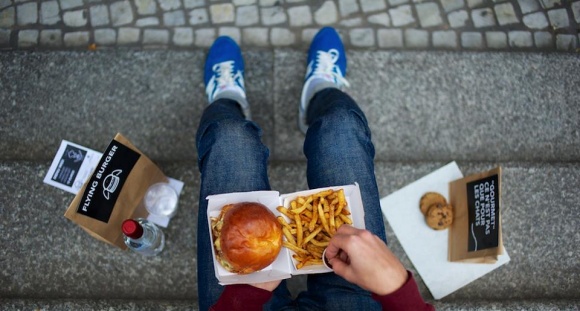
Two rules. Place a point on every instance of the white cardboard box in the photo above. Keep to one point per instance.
(283, 267)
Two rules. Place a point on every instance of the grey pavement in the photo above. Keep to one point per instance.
(517, 110)
(472, 25)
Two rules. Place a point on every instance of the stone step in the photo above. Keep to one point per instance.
(187, 305)
(421, 106)
(48, 257)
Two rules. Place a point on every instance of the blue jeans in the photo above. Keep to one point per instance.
(339, 151)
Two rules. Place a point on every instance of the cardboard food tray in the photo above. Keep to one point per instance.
(283, 267)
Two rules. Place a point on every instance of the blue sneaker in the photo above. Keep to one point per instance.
(224, 73)
(326, 68)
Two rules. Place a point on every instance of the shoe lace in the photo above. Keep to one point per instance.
(326, 65)
(223, 77)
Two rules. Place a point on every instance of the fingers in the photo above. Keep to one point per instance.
(340, 240)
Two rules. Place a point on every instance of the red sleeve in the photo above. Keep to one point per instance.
(242, 297)
(405, 298)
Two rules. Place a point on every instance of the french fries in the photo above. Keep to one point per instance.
(312, 221)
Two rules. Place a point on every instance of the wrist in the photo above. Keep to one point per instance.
(393, 282)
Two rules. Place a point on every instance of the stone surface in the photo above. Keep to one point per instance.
(146, 7)
(576, 10)
(273, 16)
(76, 18)
(543, 39)
(326, 14)
(99, 15)
(204, 37)
(183, 36)
(51, 38)
(27, 13)
(558, 18)
(390, 38)
(505, 14)
(128, 35)
(147, 21)
(5, 37)
(415, 38)
(536, 20)
(496, 39)
(70, 4)
(255, 36)
(401, 15)
(49, 13)
(520, 39)
(190, 4)
(247, 15)
(169, 5)
(155, 37)
(347, 7)
(444, 39)
(483, 17)
(222, 13)
(232, 32)
(458, 19)
(174, 18)
(551, 3)
(566, 42)
(372, 5)
(300, 16)
(528, 6)
(362, 37)
(429, 15)
(198, 16)
(471, 40)
(105, 36)
(380, 19)
(409, 97)
(5, 3)
(27, 38)
(7, 17)
(352, 22)
(121, 13)
(451, 5)
(76, 39)
(281, 37)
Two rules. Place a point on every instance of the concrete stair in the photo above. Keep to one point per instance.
(425, 109)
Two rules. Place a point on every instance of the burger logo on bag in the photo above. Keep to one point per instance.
(110, 175)
(111, 182)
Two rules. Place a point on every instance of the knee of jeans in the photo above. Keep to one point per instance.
(237, 133)
(344, 118)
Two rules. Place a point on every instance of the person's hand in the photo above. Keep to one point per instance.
(364, 259)
(269, 286)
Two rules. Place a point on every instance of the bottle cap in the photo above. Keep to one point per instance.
(132, 229)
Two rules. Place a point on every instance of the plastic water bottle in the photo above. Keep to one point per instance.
(143, 236)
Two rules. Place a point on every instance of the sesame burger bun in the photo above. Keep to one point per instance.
(250, 237)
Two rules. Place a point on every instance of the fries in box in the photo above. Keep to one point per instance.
(314, 240)
(309, 220)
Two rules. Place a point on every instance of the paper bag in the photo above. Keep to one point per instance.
(475, 235)
(114, 192)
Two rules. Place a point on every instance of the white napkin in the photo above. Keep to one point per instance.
(426, 247)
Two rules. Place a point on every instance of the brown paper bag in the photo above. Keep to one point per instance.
(475, 235)
(114, 192)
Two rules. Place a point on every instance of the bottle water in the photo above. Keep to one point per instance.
(143, 236)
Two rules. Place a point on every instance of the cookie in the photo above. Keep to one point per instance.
(429, 199)
(439, 216)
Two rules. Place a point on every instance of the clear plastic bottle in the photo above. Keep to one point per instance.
(143, 237)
